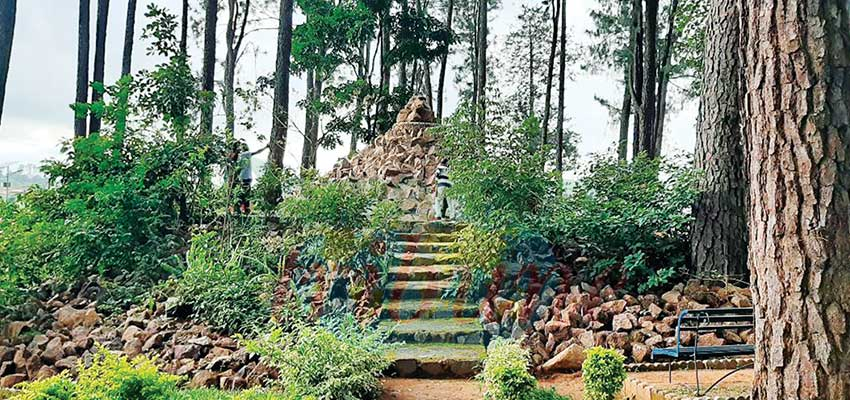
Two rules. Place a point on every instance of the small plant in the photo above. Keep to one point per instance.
(603, 374)
(505, 374)
(481, 251)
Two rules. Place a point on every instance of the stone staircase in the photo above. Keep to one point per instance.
(441, 337)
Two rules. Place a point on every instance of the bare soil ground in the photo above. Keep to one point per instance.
(684, 383)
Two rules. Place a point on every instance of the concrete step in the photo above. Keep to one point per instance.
(427, 309)
(412, 290)
(424, 237)
(419, 259)
(422, 272)
(437, 227)
(443, 330)
(436, 360)
(420, 247)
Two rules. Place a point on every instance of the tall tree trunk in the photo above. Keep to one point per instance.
(129, 33)
(385, 122)
(562, 76)
(83, 38)
(99, 58)
(550, 70)
(796, 57)
(237, 21)
(280, 108)
(650, 78)
(719, 233)
(482, 59)
(208, 69)
(311, 119)
(664, 74)
(637, 81)
(426, 74)
(8, 9)
(531, 93)
(184, 28)
(625, 115)
(441, 85)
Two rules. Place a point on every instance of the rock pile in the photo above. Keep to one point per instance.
(404, 158)
(68, 331)
(587, 316)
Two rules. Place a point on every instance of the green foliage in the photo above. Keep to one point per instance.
(497, 173)
(335, 360)
(109, 377)
(321, 202)
(211, 394)
(603, 374)
(630, 214)
(220, 290)
(480, 251)
(506, 375)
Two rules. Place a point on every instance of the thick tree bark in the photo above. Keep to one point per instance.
(562, 77)
(796, 58)
(129, 33)
(550, 71)
(184, 28)
(280, 108)
(650, 68)
(99, 58)
(8, 10)
(625, 115)
(719, 233)
(441, 85)
(208, 68)
(83, 38)
(237, 21)
(482, 59)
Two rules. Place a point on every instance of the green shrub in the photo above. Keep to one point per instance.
(322, 202)
(337, 359)
(212, 394)
(505, 373)
(109, 377)
(629, 215)
(480, 251)
(603, 374)
(220, 290)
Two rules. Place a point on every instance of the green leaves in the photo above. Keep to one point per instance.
(603, 374)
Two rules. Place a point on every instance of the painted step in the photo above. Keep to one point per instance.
(427, 309)
(436, 360)
(419, 259)
(424, 237)
(444, 330)
(412, 290)
(437, 227)
(420, 247)
(422, 272)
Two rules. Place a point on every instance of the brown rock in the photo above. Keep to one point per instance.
(741, 301)
(732, 337)
(16, 328)
(7, 368)
(203, 341)
(53, 351)
(655, 311)
(204, 378)
(12, 380)
(654, 341)
(153, 342)
(133, 347)
(7, 353)
(186, 351)
(227, 343)
(570, 359)
(614, 306)
(623, 322)
(45, 372)
(67, 363)
(672, 297)
(586, 339)
(710, 339)
(130, 333)
(640, 352)
(38, 343)
(69, 317)
(618, 340)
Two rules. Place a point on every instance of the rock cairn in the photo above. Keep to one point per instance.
(585, 316)
(405, 159)
(67, 330)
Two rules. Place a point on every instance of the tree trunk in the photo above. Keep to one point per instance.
(531, 93)
(280, 108)
(550, 71)
(482, 59)
(311, 122)
(8, 9)
(237, 21)
(441, 85)
(386, 121)
(650, 75)
(664, 75)
(208, 69)
(719, 233)
(129, 32)
(559, 161)
(184, 28)
(797, 81)
(637, 74)
(625, 115)
(83, 37)
(99, 59)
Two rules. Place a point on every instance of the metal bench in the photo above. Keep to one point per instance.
(705, 321)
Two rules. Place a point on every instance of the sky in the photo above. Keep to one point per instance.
(42, 76)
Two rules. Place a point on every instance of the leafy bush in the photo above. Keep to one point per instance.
(506, 375)
(497, 173)
(603, 374)
(634, 215)
(480, 251)
(109, 377)
(336, 359)
(212, 394)
(322, 202)
(220, 290)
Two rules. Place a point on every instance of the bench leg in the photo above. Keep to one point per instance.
(670, 372)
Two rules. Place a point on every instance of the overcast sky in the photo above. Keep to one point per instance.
(42, 77)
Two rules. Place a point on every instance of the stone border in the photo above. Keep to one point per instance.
(634, 389)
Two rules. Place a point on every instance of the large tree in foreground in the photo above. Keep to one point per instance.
(796, 59)
(99, 59)
(719, 233)
(7, 31)
(280, 108)
(208, 68)
(129, 34)
(83, 39)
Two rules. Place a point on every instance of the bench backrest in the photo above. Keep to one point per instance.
(713, 319)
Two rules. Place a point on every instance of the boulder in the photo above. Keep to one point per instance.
(710, 339)
(204, 378)
(190, 351)
(640, 352)
(9, 381)
(623, 322)
(53, 351)
(570, 359)
(70, 317)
